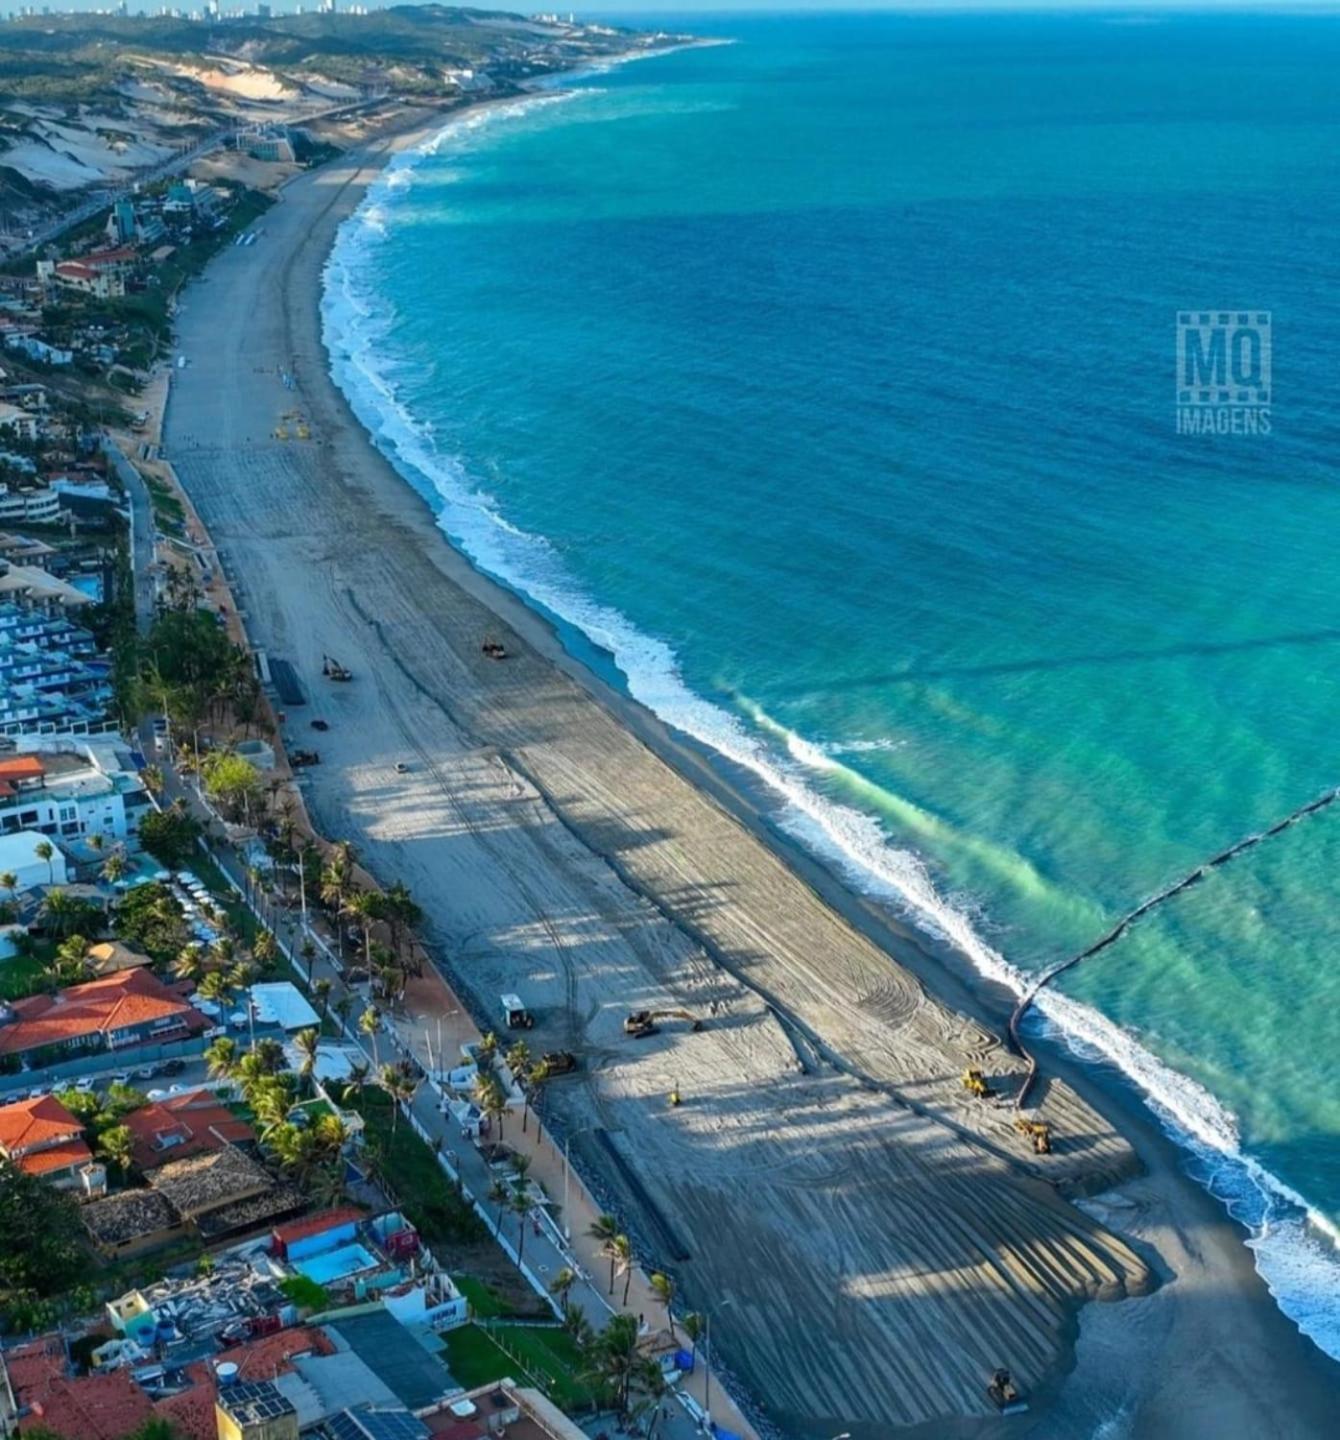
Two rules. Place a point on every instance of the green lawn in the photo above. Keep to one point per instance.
(410, 1168)
(21, 975)
(484, 1300)
(545, 1355)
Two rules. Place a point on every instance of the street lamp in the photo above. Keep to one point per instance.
(707, 1371)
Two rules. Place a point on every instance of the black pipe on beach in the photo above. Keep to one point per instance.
(1124, 924)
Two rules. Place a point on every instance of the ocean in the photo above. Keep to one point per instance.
(822, 387)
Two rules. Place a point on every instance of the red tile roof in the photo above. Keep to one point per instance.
(307, 1225)
(123, 256)
(56, 1157)
(29, 1124)
(91, 1407)
(102, 1006)
(272, 1355)
(197, 1119)
(21, 767)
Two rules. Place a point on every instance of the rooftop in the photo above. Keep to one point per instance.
(106, 1006)
(204, 1182)
(131, 1215)
(182, 1126)
(315, 1224)
(254, 1403)
(32, 1123)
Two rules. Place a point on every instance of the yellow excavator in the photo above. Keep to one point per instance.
(641, 1023)
(1038, 1131)
(975, 1083)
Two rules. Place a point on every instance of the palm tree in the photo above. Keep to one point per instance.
(663, 1288)
(400, 1085)
(364, 906)
(10, 881)
(215, 987)
(520, 1203)
(619, 1365)
(308, 952)
(486, 1049)
(265, 950)
(605, 1229)
(115, 865)
(59, 912)
(621, 1247)
(693, 1328)
(499, 1195)
(321, 990)
(44, 850)
(306, 1042)
(152, 776)
(516, 1060)
(221, 1057)
(534, 1081)
(189, 964)
(359, 1071)
(117, 1144)
(72, 959)
(491, 1100)
(344, 1008)
(561, 1287)
(369, 1022)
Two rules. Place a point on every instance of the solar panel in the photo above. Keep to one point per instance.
(376, 1425)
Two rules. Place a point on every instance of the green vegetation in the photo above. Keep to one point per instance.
(149, 918)
(401, 1161)
(41, 1257)
(24, 975)
(170, 836)
(546, 1355)
(306, 1294)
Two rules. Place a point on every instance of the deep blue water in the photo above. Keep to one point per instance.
(825, 382)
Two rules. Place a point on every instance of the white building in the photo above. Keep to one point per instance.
(18, 857)
(71, 787)
(39, 506)
(20, 423)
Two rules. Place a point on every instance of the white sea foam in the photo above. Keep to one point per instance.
(1294, 1246)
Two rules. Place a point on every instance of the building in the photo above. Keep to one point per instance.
(181, 1126)
(19, 858)
(503, 1411)
(33, 505)
(79, 276)
(20, 423)
(70, 787)
(115, 1012)
(52, 680)
(224, 1193)
(281, 1003)
(42, 1138)
(254, 1411)
(36, 349)
(314, 1234)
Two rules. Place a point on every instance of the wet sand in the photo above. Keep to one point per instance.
(873, 1243)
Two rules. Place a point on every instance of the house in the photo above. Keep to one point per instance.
(255, 1411)
(133, 1222)
(314, 1234)
(281, 1003)
(71, 787)
(502, 1411)
(31, 505)
(113, 1012)
(42, 1138)
(37, 349)
(224, 1192)
(181, 1126)
(80, 276)
(109, 956)
(19, 858)
(21, 424)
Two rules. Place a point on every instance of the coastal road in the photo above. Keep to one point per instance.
(143, 536)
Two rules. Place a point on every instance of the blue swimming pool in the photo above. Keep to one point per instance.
(337, 1264)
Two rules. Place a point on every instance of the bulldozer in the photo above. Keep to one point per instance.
(975, 1083)
(1038, 1131)
(1004, 1394)
(641, 1023)
(333, 670)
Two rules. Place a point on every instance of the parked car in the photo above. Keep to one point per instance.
(84, 1083)
(172, 1067)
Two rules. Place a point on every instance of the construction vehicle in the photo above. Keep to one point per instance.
(515, 1013)
(641, 1023)
(975, 1083)
(333, 670)
(1038, 1131)
(559, 1062)
(298, 758)
(1004, 1394)
(494, 649)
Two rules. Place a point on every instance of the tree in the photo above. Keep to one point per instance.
(486, 1049)
(364, 906)
(216, 987)
(265, 950)
(663, 1288)
(491, 1100)
(10, 881)
(500, 1196)
(69, 964)
(517, 1059)
(42, 1253)
(620, 1367)
(307, 1043)
(64, 914)
(531, 1085)
(169, 836)
(520, 1203)
(308, 953)
(359, 1070)
(221, 1057)
(605, 1229)
(321, 990)
(45, 850)
(117, 1145)
(693, 1328)
(400, 1085)
(149, 918)
(369, 1022)
(621, 1248)
(189, 964)
(561, 1287)
(233, 782)
(152, 776)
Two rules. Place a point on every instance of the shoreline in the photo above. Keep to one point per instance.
(949, 977)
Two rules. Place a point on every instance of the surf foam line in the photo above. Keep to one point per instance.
(1294, 1247)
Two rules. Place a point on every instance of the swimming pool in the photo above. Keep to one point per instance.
(336, 1264)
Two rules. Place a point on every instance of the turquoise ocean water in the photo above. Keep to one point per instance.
(821, 386)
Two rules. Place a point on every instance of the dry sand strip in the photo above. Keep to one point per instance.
(874, 1243)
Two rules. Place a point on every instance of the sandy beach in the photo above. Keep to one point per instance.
(872, 1243)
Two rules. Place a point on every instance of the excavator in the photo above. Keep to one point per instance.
(333, 670)
(1038, 1131)
(494, 649)
(1004, 1394)
(975, 1083)
(641, 1023)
